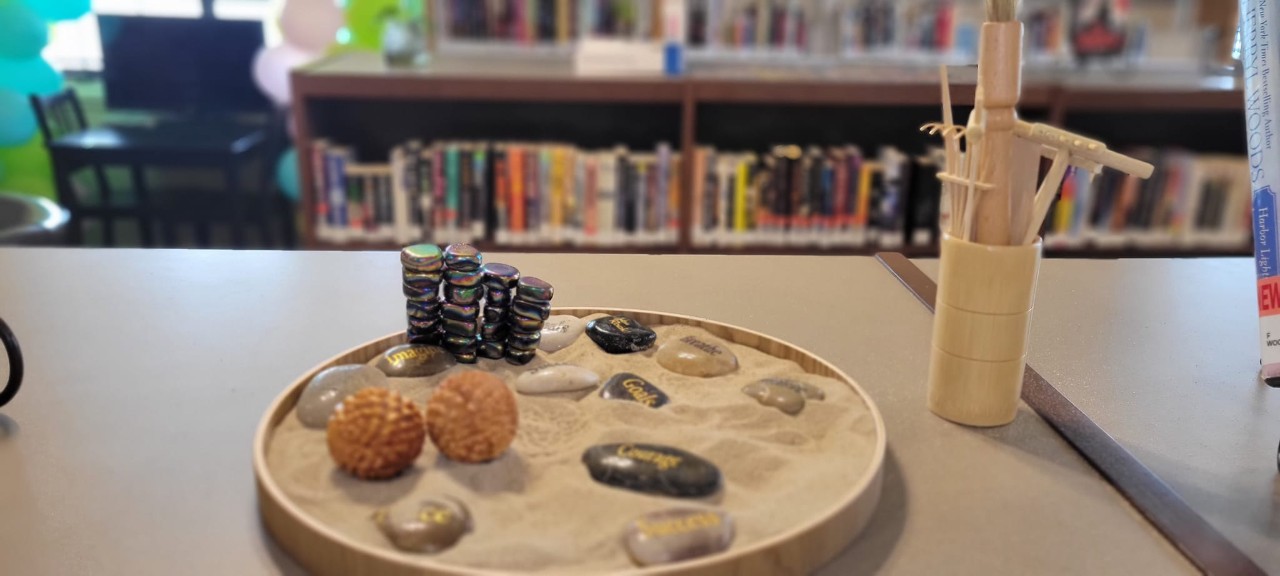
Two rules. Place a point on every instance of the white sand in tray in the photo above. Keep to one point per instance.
(537, 509)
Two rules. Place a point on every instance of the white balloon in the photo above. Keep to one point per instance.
(271, 68)
(311, 24)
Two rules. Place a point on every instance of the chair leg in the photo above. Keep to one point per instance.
(108, 211)
(67, 198)
(204, 236)
(287, 223)
(237, 205)
(143, 205)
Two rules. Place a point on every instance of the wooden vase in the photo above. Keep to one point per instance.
(983, 312)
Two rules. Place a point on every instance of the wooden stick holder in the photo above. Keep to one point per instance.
(983, 312)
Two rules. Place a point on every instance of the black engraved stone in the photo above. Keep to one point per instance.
(620, 335)
(652, 469)
(630, 387)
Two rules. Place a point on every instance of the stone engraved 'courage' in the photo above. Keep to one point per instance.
(678, 525)
(662, 461)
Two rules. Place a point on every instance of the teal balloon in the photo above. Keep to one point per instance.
(287, 174)
(23, 34)
(58, 9)
(29, 76)
(17, 121)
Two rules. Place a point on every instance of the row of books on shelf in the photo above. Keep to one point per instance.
(845, 27)
(514, 193)
(839, 197)
(1190, 201)
(549, 21)
(792, 196)
(778, 25)
(553, 194)
(910, 30)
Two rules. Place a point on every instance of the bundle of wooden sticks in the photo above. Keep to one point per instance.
(990, 184)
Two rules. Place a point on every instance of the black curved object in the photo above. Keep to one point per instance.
(12, 350)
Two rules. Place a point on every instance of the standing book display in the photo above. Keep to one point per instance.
(992, 216)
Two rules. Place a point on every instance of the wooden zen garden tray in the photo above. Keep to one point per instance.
(782, 538)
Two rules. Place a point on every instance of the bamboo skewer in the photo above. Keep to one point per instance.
(1048, 190)
(975, 133)
(952, 142)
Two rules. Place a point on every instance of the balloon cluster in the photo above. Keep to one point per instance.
(24, 32)
(311, 29)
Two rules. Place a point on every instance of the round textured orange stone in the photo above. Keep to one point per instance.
(376, 433)
(472, 417)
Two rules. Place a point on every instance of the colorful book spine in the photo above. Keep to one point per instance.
(516, 158)
(337, 162)
(480, 191)
(320, 188)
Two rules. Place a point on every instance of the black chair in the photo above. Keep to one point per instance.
(226, 146)
(272, 201)
(59, 115)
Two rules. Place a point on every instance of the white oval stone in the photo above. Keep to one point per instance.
(557, 378)
(560, 331)
(330, 387)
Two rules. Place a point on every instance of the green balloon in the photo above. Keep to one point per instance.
(27, 169)
(23, 34)
(364, 22)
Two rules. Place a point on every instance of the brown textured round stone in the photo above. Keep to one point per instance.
(375, 433)
(472, 417)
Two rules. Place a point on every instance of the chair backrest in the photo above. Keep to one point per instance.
(59, 114)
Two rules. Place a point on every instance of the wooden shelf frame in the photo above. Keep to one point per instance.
(1055, 99)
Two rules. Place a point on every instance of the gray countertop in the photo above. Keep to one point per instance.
(128, 450)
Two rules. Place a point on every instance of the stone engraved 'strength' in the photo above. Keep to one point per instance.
(707, 347)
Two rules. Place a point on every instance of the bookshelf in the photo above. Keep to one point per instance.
(354, 98)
